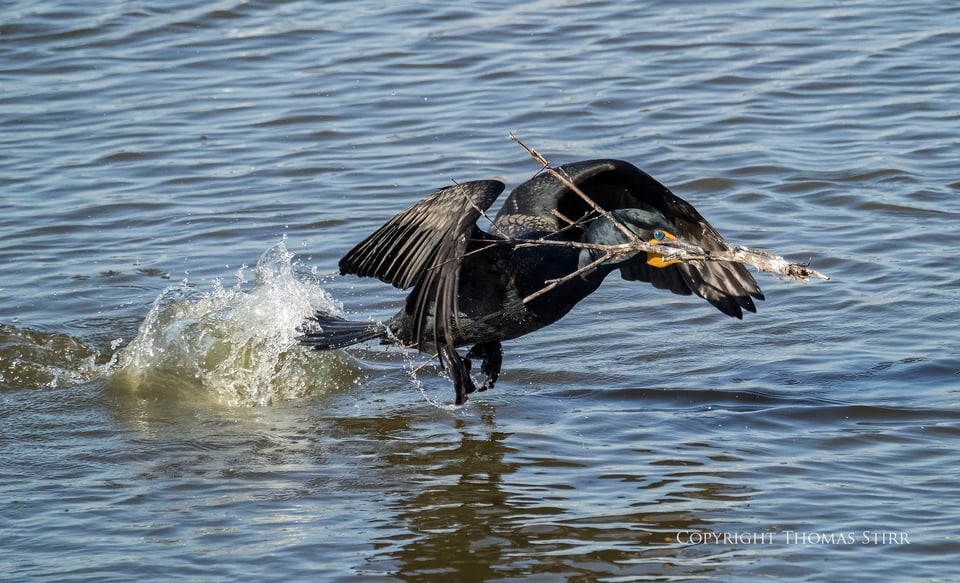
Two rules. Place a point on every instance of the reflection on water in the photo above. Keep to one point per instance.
(475, 507)
(457, 506)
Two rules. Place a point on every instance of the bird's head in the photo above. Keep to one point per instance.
(647, 225)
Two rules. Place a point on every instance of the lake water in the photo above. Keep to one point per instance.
(178, 183)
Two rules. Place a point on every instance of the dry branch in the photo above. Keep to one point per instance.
(670, 249)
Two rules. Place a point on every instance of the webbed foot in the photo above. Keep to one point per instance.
(491, 354)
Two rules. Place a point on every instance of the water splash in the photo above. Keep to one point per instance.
(43, 359)
(237, 346)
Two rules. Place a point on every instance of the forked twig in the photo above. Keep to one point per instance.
(565, 180)
(672, 249)
(552, 283)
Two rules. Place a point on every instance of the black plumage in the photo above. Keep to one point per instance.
(479, 287)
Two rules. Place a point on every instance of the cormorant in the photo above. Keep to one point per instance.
(477, 287)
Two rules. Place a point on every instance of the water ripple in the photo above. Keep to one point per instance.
(148, 145)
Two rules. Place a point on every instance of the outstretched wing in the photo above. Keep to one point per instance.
(423, 246)
(614, 184)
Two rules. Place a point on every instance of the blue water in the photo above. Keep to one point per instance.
(177, 184)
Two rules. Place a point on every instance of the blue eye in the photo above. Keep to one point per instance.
(658, 235)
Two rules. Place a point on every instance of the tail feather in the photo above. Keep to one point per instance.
(325, 331)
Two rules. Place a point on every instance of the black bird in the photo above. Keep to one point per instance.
(476, 287)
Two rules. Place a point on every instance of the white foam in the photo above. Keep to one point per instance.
(239, 345)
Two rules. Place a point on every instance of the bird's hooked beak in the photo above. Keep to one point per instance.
(655, 259)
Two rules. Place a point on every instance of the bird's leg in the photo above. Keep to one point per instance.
(459, 373)
(492, 355)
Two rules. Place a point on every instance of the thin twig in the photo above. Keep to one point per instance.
(482, 212)
(669, 250)
(563, 218)
(563, 178)
(425, 363)
(672, 249)
(552, 283)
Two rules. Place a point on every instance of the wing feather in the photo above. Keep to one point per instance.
(615, 184)
(423, 247)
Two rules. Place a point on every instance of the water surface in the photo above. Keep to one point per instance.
(178, 184)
